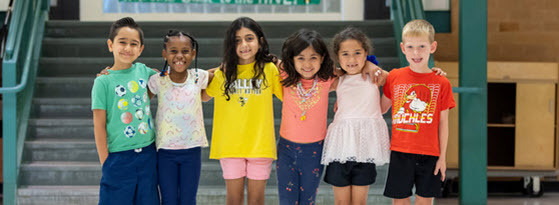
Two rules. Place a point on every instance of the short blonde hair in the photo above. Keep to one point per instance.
(419, 27)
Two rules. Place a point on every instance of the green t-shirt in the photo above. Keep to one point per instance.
(123, 94)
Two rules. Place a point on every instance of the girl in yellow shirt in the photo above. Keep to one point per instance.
(243, 136)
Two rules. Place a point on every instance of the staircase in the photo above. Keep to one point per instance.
(60, 163)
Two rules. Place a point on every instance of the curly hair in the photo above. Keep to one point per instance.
(351, 33)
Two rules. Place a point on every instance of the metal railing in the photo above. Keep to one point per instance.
(20, 61)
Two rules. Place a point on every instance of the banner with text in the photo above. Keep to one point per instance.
(242, 2)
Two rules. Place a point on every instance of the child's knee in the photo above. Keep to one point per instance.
(405, 201)
(419, 200)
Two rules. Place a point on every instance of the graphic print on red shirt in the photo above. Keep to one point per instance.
(417, 100)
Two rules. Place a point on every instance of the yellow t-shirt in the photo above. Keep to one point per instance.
(243, 127)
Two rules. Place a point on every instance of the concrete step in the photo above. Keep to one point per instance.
(67, 150)
(207, 195)
(70, 150)
(82, 128)
(89, 173)
(208, 47)
(77, 29)
(74, 87)
(81, 107)
(88, 67)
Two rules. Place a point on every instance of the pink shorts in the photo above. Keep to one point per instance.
(252, 168)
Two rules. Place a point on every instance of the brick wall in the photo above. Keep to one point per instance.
(517, 30)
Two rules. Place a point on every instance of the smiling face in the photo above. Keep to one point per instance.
(247, 45)
(417, 50)
(179, 53)
(352, 56)
(126, 46)
(307, 63)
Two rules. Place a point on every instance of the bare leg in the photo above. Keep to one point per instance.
(359, 195)
(256, 192)
(342, 195)
(423, 201)
(235, 191)
(405, 201)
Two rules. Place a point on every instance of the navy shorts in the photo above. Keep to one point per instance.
(130, 177)
(406, 170)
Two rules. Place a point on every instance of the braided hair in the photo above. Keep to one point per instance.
(194, 43)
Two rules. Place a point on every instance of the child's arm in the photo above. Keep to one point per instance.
(385, 104)
(373, 71)
(278, 64)
(334, 84)
(443, 140)
(205, 97)
(150, 94)
(100, 131)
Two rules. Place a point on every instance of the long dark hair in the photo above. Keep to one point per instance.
(193, 41)
(294, 45)
(230, 58)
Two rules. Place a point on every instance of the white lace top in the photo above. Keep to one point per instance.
(358, 132)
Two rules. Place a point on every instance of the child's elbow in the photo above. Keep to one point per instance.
(384, 110)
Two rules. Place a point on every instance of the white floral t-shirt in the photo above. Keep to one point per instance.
(179, 121)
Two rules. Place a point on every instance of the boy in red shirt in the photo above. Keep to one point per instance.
(420, 102)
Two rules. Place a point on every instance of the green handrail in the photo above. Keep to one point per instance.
(403, 11)
(21, 59)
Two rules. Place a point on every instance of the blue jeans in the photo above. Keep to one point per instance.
(299, 171)
(130, 177)
(179, 174)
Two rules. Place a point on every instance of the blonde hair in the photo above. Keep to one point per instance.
(419, 27)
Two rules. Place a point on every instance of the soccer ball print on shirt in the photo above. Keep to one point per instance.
(129, 131)
(120, 90)
(131, 95)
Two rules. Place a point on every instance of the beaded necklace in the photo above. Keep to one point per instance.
(305, 95)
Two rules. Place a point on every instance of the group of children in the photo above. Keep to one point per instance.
(137, 159)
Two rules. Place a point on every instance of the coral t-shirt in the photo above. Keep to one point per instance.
(304, 120)
(417, 101)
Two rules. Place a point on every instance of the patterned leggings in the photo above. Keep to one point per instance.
(299, 171)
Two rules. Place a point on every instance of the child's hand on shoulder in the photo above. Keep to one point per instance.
(104, 71)
(376, 73)
(439, 71)
(212, 71)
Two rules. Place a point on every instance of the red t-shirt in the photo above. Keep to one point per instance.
(417, 101)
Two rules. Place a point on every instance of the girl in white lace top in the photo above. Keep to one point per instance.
(357, 140)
